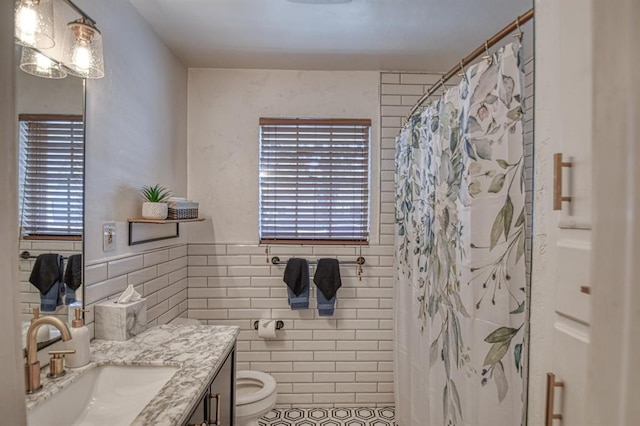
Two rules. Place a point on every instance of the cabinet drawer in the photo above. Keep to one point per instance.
(574, 270)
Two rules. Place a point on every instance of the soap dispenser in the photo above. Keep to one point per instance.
(79, 341)
(43, 334)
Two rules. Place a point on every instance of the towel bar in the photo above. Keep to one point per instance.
(25, 255)
(275, 260)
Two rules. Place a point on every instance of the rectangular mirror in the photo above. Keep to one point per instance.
(51, 194)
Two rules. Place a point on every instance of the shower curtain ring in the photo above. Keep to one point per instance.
(518, 35)
(487, 55)
(444, 89)
(462, 72)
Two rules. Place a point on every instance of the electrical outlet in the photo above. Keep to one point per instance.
(108, 236)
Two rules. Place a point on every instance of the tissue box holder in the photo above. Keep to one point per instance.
(120, 321)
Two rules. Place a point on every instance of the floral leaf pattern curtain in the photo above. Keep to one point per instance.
(460, 239)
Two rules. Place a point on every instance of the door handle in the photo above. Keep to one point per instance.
(558, 164)
(550, 416)
(218, 398)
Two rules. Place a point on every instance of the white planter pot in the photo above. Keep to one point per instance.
(154, 210)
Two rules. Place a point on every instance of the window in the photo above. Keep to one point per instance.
(314, 181)
(51, 176)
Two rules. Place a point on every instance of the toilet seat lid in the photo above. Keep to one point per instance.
(267, 383)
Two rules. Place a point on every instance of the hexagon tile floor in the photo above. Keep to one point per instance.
(329, 417)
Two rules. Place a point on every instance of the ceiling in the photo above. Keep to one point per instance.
(407, 35)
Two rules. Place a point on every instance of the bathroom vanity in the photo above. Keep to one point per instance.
(217, 405)
(200, 388)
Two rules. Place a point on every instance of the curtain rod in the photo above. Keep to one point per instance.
(473, 55)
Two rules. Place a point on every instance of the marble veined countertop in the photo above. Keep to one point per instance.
(197, 350)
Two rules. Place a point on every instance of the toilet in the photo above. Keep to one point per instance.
(255, 391)
(255, 396)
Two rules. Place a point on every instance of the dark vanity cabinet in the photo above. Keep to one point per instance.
(217, 405)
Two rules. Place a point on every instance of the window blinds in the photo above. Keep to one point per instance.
(52, 175)
(314, 181)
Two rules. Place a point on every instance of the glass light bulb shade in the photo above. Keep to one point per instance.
(35, 63)
(82, 52)
(34, 23)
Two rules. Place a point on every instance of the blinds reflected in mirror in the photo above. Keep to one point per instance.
(51, 175)
(314, 180)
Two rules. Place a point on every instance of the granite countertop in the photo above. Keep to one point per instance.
(197, 350)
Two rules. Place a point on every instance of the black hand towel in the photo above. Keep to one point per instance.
(296, 274)
(327, 277)
(46, 271)
(73, 272)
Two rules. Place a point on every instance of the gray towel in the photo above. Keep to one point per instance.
(296, 274)
(52, 298)
(46, 271)
(326, 307)
(298, 302)
(327, 277)
(73, 272)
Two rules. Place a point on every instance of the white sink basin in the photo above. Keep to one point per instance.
(107, 395)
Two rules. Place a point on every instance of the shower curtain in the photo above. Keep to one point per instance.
(460, 241)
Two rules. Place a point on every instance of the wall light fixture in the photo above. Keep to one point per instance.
(35, 63)
(34, 23)
(82, 49)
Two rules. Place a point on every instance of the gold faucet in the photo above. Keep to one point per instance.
(32, 367)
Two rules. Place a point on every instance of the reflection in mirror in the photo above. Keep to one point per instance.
(51, 195)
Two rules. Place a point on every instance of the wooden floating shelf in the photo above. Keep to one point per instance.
(143, 220)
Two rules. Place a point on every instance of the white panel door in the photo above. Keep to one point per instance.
(571, 321)
(570, 74)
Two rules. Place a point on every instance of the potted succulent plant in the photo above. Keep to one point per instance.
(154, 205)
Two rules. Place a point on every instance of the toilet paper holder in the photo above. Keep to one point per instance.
(279, 325)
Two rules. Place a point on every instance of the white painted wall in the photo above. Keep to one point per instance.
(12, 388)
(224, 109)
(135, 124)
(614, 393)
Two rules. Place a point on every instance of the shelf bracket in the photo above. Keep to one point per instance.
(133, 242)
(176, 222)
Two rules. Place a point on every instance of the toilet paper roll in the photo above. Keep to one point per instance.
(267, 329)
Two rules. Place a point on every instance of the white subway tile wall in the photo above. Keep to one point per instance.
(315, 360)
(159, 275)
